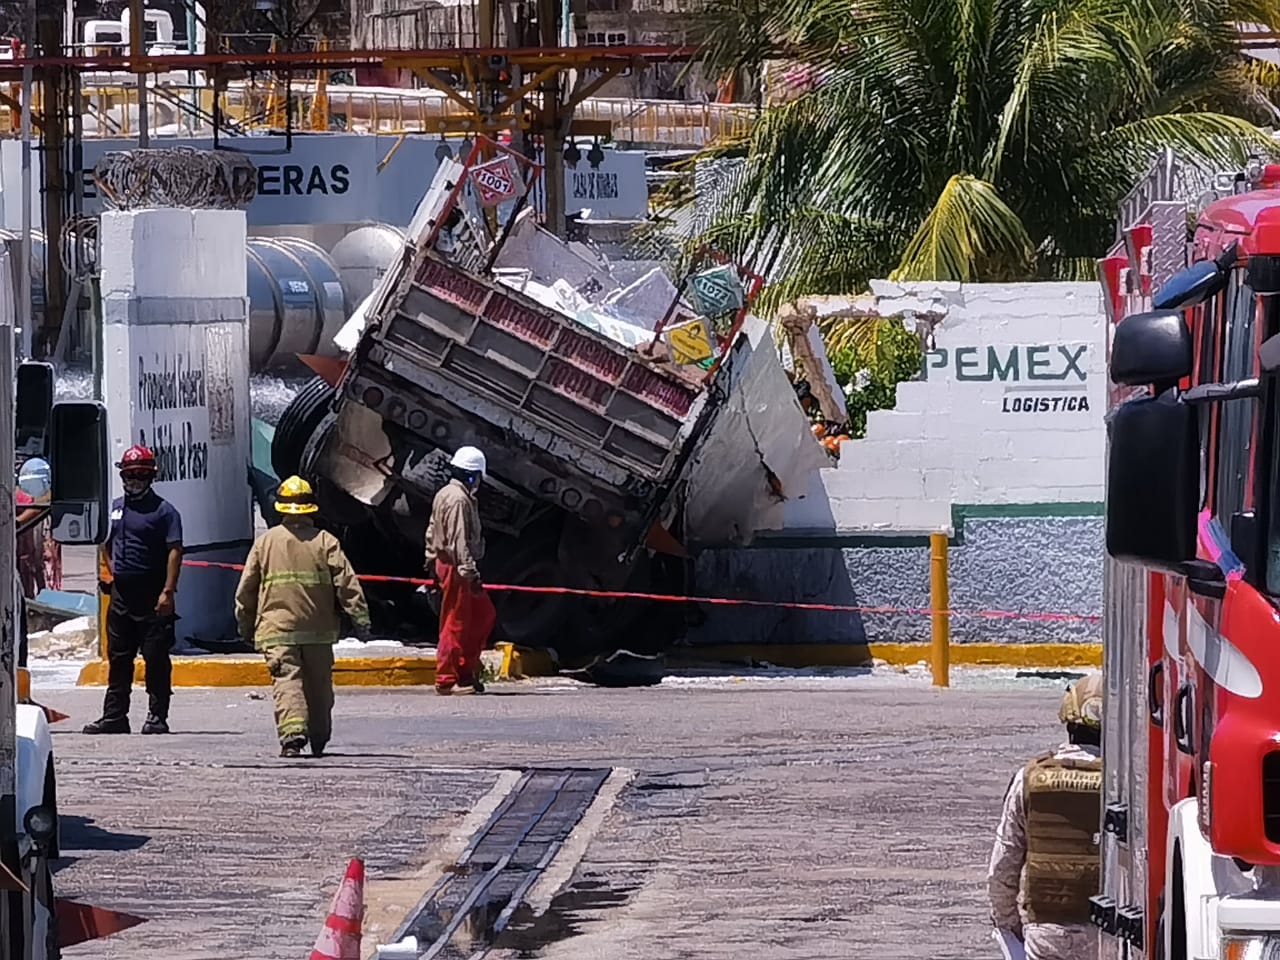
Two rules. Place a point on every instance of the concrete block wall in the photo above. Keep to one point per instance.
(1009, 412)
(1000, 444)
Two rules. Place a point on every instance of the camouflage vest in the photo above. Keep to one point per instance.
(1063, 869)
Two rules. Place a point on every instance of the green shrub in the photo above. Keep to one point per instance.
(870, 358)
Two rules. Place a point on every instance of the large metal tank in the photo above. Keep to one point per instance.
(363, 256)
(296, 301)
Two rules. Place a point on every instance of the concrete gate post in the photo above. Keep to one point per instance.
(176, 355)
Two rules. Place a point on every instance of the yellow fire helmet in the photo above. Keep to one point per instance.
(295, 497)
(1082, 703)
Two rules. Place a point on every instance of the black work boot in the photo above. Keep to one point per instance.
(108, 726)
(293, 748)
(317, 749)
(155, 724)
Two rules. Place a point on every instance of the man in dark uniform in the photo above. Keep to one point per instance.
(143, 557)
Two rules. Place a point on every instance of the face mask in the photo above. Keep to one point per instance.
(135, 486)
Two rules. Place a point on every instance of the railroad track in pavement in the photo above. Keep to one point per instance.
(465, 913)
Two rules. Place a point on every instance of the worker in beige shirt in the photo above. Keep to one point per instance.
(454, 544)
(295, 583)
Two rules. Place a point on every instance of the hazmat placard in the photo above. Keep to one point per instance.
(689, 342)
(497, 181)
(716, 291)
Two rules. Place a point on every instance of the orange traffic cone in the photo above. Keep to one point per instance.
(80, 922)
(50, 714)
(340, 938)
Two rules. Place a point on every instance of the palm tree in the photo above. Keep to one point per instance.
(971, 139)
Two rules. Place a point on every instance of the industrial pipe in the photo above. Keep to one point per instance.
(297, 294)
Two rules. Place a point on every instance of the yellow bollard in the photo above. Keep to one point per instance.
(940, 603)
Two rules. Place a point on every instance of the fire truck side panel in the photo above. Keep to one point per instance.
(1127, 602)
(1242, 779)
(1158, 693)
(1192, 739)
(1175, 766)
(1125, 590)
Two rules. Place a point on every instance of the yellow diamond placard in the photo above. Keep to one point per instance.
(690, 342)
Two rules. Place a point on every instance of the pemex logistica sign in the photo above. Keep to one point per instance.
(1037, 378)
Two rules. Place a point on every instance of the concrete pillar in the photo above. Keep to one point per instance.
(176, 378)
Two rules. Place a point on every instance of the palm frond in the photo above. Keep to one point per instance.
(852, 334)
(969, 226)
(1211, 138)
(973, 139)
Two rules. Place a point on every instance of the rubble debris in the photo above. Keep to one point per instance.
(75, 639)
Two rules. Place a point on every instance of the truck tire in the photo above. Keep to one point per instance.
(534, 619)
(529, 619)
(301, 418)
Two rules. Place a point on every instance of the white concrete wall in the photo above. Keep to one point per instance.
(176, 378)
(1010, 412)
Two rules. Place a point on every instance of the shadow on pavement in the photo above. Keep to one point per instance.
(79, 835)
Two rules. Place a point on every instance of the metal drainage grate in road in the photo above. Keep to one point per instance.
(467, 910)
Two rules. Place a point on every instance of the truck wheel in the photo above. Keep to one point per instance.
(533, 619)
(304, 414)
(529, 619)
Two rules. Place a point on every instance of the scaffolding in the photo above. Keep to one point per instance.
(528, 96)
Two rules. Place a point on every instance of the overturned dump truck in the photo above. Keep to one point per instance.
(607, 459)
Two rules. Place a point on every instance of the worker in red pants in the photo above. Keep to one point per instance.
(454, 544)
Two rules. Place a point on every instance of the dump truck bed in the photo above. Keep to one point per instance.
(487, 345)
(567, 416)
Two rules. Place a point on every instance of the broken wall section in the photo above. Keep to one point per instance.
(1001, 444)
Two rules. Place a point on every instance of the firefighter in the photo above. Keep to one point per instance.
(1045, 864)
(295, 582)
(139, 567)
(454, 545)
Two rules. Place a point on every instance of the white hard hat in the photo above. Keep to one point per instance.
(469, 459)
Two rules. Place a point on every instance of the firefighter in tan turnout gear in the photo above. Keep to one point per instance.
(296, 582)
(1045, 863)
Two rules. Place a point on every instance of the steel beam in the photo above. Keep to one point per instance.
(428, 59)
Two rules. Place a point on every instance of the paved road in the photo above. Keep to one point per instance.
(783, 818)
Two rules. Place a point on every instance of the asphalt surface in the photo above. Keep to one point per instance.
(784, 817)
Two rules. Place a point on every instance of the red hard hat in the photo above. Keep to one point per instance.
(138, 458)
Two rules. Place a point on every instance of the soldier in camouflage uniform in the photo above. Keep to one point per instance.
(1045, 864)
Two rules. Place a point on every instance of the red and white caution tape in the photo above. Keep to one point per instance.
(716, 601)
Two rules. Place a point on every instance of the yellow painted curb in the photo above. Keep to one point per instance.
(227, 671)
(996, 654)
(899, 654)
(521, 662)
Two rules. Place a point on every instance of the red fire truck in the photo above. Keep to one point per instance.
(1191, 745)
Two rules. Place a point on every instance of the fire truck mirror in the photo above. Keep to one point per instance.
(1196, 284)
(80, 452)
(31, 411)
(1151, 348)
(1153, 481)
